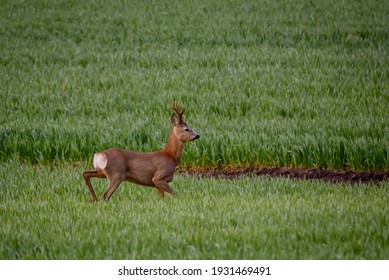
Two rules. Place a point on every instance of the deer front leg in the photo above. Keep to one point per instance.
(162, 187)
(160, 192)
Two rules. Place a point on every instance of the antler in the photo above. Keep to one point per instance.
(177, 111)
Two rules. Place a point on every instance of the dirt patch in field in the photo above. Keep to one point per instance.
(335, 176)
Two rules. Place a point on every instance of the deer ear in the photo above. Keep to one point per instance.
(175, 120)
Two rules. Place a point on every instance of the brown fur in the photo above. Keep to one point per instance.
(153, 169)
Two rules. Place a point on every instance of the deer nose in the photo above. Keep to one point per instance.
(196, 137)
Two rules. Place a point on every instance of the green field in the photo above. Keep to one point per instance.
(272, 83)
(46, 214)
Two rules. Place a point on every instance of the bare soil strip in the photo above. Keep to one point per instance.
(335, 176)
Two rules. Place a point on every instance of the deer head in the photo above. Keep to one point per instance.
(180, 128)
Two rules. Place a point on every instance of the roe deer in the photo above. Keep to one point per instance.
(152, 169)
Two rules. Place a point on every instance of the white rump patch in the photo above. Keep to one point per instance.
(99, 161)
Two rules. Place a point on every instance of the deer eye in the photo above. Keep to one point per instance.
(186, 129)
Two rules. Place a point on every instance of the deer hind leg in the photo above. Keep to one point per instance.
(114, 183)
(92, 174)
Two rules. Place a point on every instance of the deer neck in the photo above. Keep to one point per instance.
(174, 148)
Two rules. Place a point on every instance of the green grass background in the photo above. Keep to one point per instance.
(275, 83)
(279, 83)
(46, 214)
